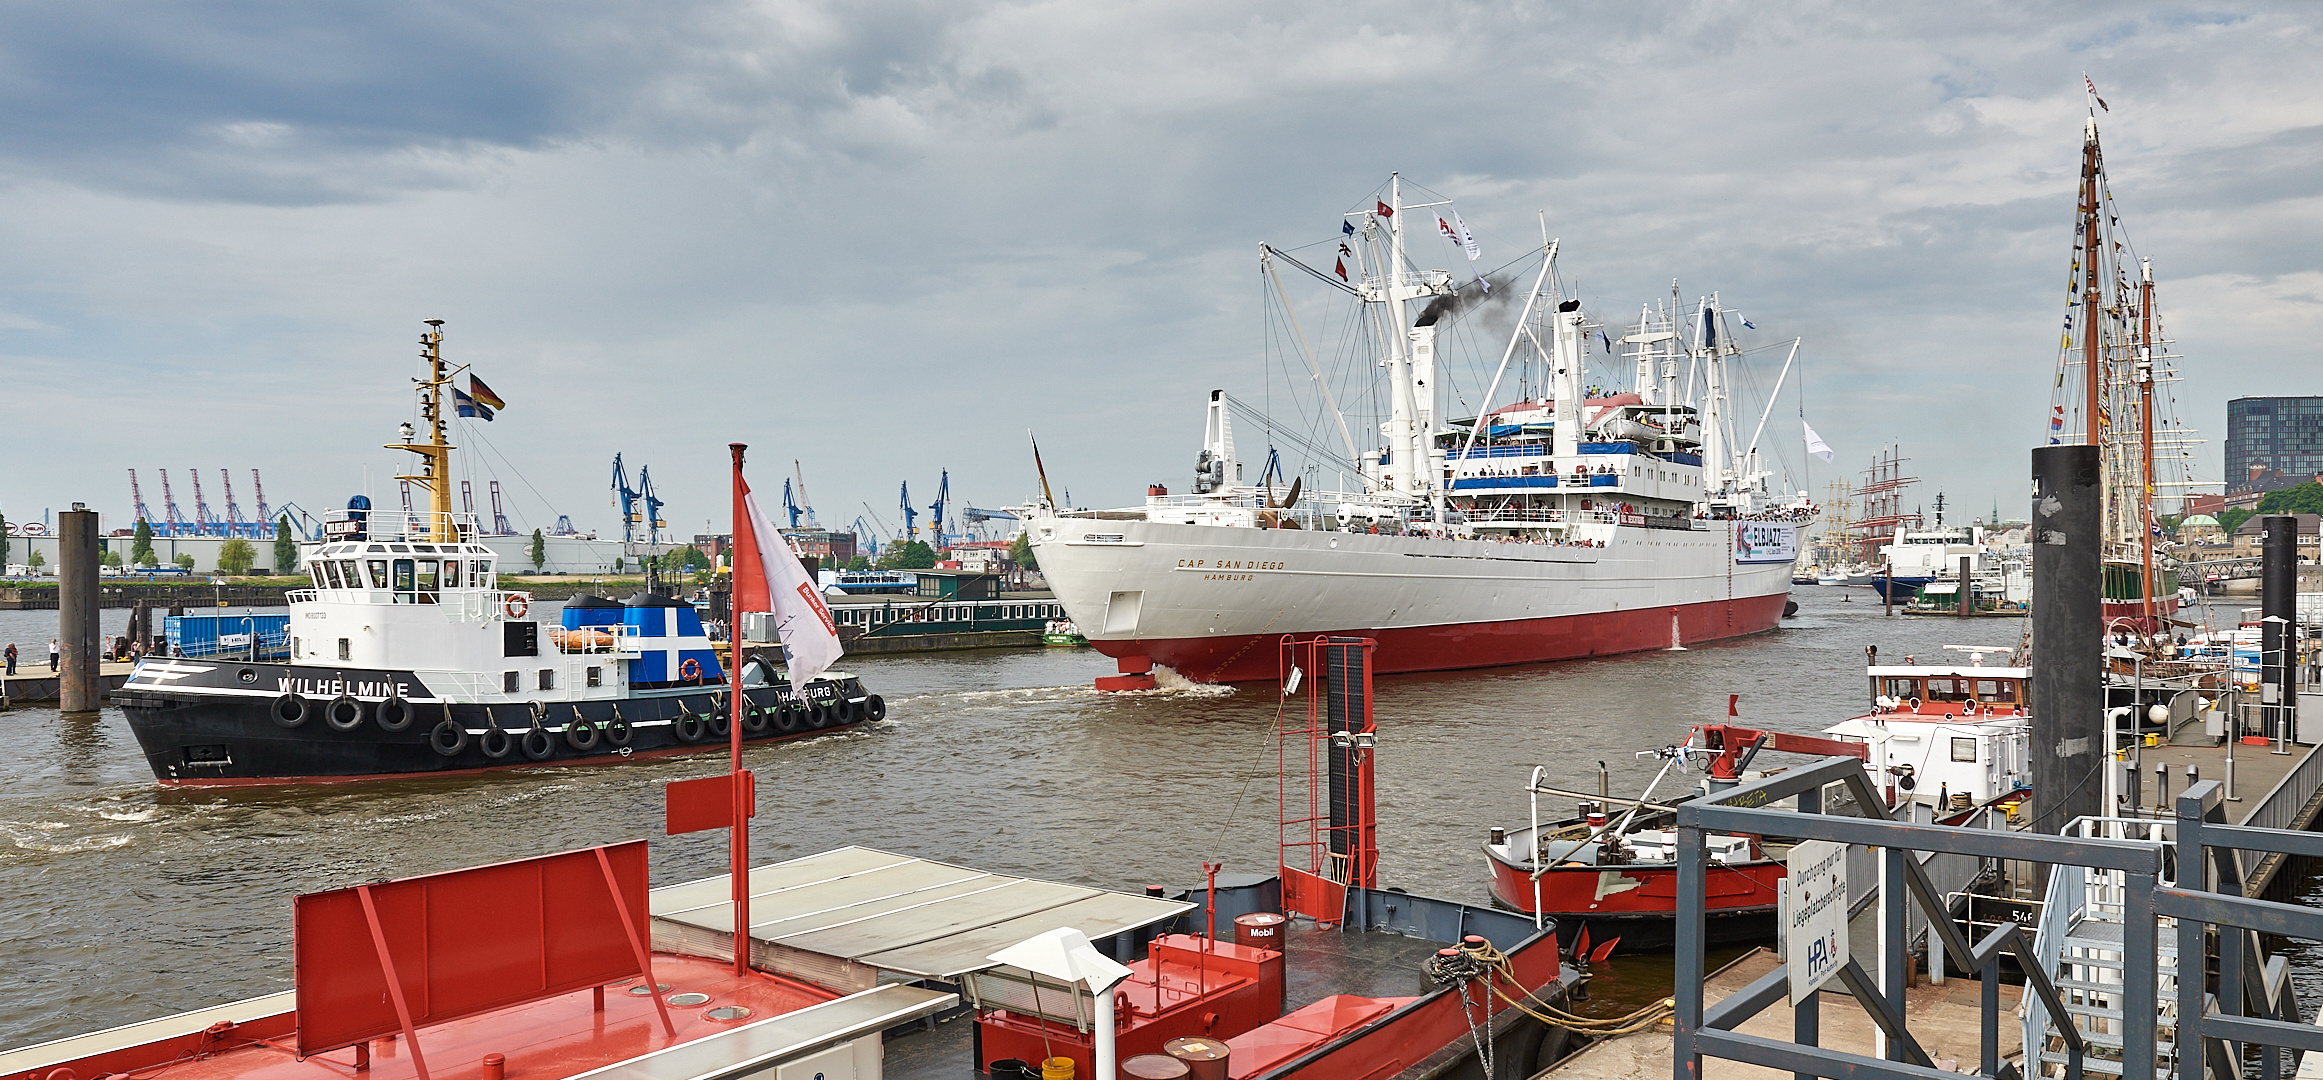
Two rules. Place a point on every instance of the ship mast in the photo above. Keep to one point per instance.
(435, 467)
(2145, 409)
(1402, 434)
(2092, 309)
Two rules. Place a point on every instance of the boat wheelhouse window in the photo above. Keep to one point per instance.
(1996, 690)
(451, 573)
(1900, 689)
(350, 574)
(479, 574)
(378, 573)
(1963, 748)
(322, 579)
(427, 581)
(405, 590)
(1947, 690)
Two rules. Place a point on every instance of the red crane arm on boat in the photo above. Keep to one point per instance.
(1735, 745)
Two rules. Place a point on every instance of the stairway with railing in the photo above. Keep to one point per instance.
(2079, 945)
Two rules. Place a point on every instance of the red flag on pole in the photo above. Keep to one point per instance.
(1340, 267)
(1386, 210)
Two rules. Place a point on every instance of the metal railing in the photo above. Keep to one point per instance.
(2280, 808)
(2255, 1006)
(1710, 1032)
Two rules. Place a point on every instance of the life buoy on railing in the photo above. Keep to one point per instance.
(691, 669)
(1915, 704)
(516, 605)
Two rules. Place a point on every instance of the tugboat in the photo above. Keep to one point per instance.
(407, 658)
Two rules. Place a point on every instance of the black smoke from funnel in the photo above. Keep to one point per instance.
(1460, 300)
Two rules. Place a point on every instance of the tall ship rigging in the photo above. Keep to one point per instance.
(2110, 391)
(1564, 517)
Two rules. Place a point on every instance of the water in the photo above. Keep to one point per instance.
(121, 900)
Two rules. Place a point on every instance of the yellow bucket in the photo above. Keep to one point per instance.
(1057, 1068)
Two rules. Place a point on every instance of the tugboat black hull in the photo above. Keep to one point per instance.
(240, 735)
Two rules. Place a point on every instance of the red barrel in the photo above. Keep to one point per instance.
(1259, 930)
(1205, 1057)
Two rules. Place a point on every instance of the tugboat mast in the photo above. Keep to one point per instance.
(435, 455)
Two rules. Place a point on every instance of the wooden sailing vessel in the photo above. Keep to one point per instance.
(2110, 392)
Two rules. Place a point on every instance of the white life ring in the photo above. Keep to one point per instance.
(517, 605)
(1915, 704)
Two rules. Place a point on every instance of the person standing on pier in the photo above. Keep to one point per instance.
(12, 658)
(52, 654)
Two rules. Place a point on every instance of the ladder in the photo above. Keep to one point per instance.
(2079, 942)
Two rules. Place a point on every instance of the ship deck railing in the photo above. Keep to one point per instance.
(400, 526)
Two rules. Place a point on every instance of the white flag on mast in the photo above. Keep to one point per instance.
(1815, 443)
(810, 640)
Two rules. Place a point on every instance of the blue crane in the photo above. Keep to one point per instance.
(625, 498)
(866, 537)
(943, 495)
(790, 505)
(653, 503)
(911, 529)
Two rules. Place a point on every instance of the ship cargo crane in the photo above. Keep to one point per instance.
(137, 497)
(1732, 747)
(500, 525)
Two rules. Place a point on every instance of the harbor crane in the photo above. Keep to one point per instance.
(204, 524)
(943, 496)
(137, 497)
(806, 505)
(175, 520)
(867, 538)
(653, 504)
(790, 505)
(468, 500)
(235, 524)
(500, 525)
(624, 499)
(264, 514)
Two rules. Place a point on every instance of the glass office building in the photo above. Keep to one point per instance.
(2283, 434)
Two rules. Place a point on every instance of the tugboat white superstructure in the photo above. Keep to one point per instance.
(1562, 525)
(407, 658)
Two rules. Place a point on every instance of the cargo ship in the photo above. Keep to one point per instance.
(1563, 524)
(406, 657)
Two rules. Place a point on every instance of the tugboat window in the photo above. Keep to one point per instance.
(346, 651)
(351, 574)
(404, 589)
(1963, 749)
(427, 581)
(327, 575)
(510, 682)
(451, 573)
(378, 573)
(548, 678)
(596, 676)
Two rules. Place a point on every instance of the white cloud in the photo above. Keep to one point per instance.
(886, 239)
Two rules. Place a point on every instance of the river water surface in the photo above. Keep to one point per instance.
(121, 900)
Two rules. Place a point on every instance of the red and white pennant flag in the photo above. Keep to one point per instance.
(769, 577)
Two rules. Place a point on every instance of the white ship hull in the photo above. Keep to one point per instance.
(1209, 601)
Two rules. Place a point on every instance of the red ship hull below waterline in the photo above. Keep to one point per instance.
(1453, 647)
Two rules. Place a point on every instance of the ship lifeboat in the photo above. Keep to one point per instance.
(1625, 885)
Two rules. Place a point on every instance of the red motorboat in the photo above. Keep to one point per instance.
(1610, 874)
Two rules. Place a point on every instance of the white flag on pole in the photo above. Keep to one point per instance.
(1815, 443)
(810, 640)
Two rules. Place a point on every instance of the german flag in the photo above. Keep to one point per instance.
(483, 394)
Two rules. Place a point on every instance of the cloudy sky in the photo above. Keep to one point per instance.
(887, 238)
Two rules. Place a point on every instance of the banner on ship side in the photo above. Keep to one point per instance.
(1766, 542)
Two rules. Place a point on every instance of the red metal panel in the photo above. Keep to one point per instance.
(1313, 895)
(464, 942)
(705, 803)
